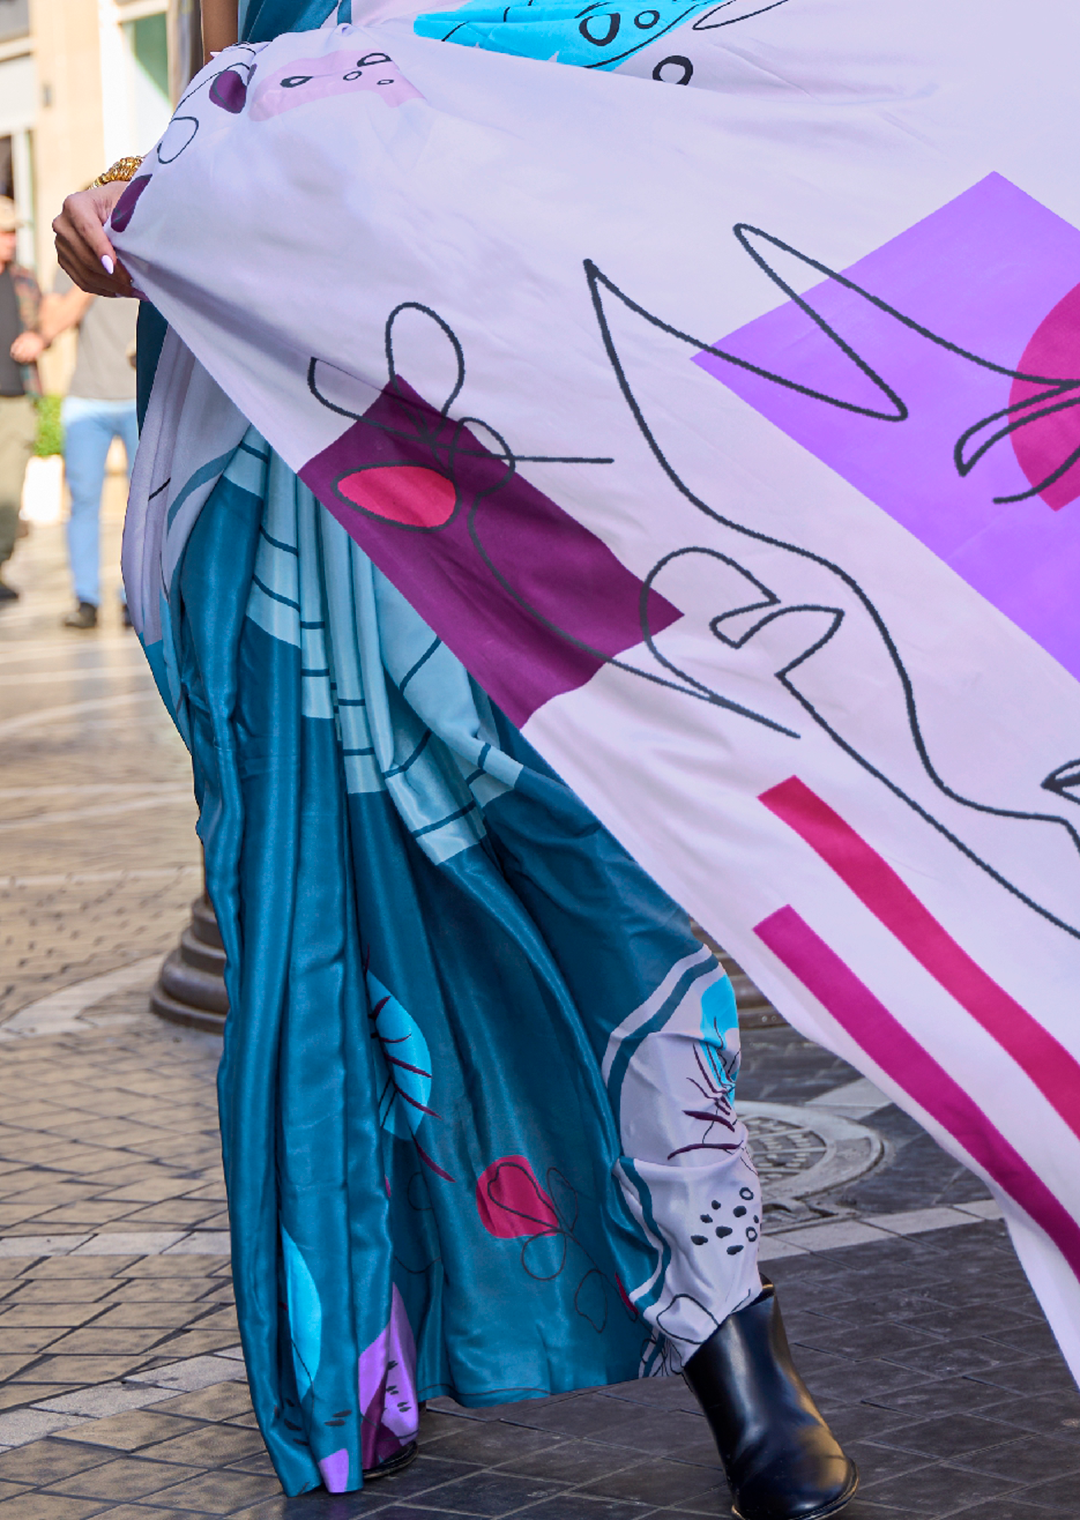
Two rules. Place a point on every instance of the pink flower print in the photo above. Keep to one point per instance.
(306, 79)
(512, 1202)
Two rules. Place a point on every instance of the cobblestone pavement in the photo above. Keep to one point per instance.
(98, 858)
(121, 1388)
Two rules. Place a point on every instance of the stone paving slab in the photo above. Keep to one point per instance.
(98, 858)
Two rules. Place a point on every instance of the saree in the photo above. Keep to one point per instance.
(789, 609)
(476, 1091)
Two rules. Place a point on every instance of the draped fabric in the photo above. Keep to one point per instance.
(454, 1002)
(727, 436)
(477, 1090)
(262, 19)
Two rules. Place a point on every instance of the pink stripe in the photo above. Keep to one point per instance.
(1053, 1069)
(895, 1051)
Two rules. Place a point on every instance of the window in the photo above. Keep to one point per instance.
(146, 41)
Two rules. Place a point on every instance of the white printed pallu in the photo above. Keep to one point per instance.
(729, 437)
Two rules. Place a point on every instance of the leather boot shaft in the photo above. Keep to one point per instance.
(781, 1459)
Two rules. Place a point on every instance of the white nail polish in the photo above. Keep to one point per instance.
(107, 263)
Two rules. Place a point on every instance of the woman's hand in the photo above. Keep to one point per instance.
(83, 250)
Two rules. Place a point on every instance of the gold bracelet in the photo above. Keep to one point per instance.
(124, 168)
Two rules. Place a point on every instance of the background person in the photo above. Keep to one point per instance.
(20, 345)
(99, 406)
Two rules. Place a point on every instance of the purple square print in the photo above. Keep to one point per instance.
(530, 601)
(940, 375)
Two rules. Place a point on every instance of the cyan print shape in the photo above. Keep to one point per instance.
(593, 36)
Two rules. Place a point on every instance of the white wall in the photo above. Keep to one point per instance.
(135, 113)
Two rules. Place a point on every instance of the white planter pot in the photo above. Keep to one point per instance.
(43, 490)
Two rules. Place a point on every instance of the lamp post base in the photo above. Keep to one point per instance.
(191, 987)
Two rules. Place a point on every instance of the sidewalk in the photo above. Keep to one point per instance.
(121, 1388)
(98, 859)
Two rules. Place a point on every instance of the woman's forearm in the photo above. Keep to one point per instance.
(219, 25)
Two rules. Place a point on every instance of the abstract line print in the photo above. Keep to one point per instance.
(592, 36)
(490, 561)
(1042, 1057)
(685, 1172)
(839, 628)
(940, 375)
(889, 1045)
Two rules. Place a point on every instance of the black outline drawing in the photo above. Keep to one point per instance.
(564, 1212)
(965, 462)
(769, 602)
(1065, 782)
(443, 456)
(175, 122)
(761, 598)
(706, 24)
(207, 84)
(683, 63)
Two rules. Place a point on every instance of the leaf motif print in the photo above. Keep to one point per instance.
(511, 1201)
(387, 1387)
(403, 1064)
(405, 1060)
(720, 1036)
(305, 1314)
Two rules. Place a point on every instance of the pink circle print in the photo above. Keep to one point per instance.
(511, 1201)
(1042, 446)
(409, 494)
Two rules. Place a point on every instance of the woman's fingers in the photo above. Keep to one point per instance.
(82, 248)
(82, 272)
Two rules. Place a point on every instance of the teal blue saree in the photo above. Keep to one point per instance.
(476, 1092)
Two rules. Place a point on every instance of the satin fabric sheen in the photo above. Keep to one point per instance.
(432, 946)
(419, 1145)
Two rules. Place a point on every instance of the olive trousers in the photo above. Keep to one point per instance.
(18, 428)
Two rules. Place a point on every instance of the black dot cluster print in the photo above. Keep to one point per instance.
(747, 1227)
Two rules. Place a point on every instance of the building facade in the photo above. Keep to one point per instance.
(82, 82)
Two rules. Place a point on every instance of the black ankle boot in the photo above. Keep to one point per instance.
(389, 1467)
(780, 1457)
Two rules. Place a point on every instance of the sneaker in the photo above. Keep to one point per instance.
(8, 593)
(84, 616)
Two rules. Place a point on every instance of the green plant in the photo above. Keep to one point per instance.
(50, 432)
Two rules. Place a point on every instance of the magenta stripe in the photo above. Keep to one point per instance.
(899, 1054)
(1053, 1069)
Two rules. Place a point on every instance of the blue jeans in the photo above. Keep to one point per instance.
(89, 429)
